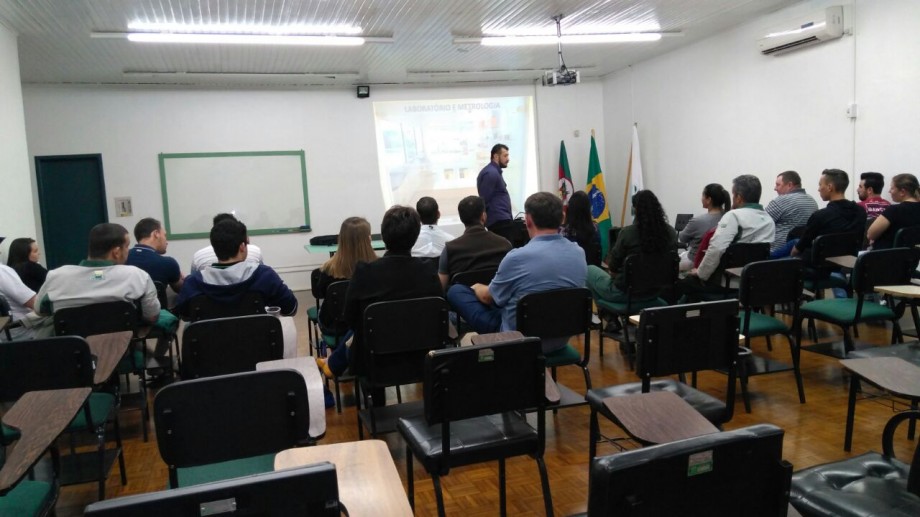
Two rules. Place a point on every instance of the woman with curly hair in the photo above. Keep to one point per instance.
(649, 234)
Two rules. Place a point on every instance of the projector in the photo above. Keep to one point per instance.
(561, 77)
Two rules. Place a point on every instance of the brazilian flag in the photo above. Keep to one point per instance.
(598, 195)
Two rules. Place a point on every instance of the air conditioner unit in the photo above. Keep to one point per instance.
(820, 26)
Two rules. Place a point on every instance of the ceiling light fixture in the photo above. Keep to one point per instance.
(243, 34)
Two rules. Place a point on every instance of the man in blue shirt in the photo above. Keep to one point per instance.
(149, 254)
(549, 261)
(493, 190)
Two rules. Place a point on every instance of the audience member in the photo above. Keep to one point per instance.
(20, 299)
(649, 234)
(395, 276)
(233, 276)
(103, 277)
(491, 187)
(870, 194)
(354, 247)
(906, 192)
(580, 228)
(477, 248)
(431, 239)
(549, 261)
(839, 216)
(149, 254)
(204, 257)
(716, 200)
(746, 222)
(791, 209)
(23, 258)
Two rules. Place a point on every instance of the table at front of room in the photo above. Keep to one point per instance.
(369, 484)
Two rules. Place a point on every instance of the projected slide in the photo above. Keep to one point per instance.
(437, 148)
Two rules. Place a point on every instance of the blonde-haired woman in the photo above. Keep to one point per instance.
(905, 191)
(354, 247)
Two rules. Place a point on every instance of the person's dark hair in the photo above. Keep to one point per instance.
(654, 234)
(747, 186)
(791, 177)
(19, 251)
(223, 216)
(907, 182)
(145, 227)
(427, 208)
(545, 210)
(497, 149)
(578, 216)
(400, 228)
(836, 177)
(470, 210)
(226, 237)
(873, 180)
(719, 196)
(105, 236)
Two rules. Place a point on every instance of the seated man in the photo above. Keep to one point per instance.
(871, 185)
(839, 216)
(431, 239)
(103, 277)
(149, 254)
(206, 256)
(19, 297)
(477, 248)
(233, 276)
(548, 261)
(790, 209)
(745, 222)
(395, 276)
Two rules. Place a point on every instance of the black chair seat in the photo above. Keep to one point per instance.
(710, 407)
(858, 486)
(474, 440)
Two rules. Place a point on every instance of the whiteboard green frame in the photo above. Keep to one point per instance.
(169, 218)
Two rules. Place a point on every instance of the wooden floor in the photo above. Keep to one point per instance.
(814, 434)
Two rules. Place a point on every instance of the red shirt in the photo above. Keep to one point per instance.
(874, 206)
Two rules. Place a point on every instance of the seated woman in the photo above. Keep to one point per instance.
(650, 233)
(716, 201)
(23, 257)
(906, 192)
(354, 247)
(580, 228)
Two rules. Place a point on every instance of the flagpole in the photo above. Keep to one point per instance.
(628, 178)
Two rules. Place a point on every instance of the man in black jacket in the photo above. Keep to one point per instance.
(839, 216)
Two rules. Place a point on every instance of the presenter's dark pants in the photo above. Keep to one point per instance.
(503, 228)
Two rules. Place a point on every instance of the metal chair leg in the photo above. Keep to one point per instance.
(410, 478)
(502, 496)
(436, 481)
(544, 480)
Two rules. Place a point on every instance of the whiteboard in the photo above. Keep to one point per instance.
(267, 191)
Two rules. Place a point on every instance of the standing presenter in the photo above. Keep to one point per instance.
(494, 192)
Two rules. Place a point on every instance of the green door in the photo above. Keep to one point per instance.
(71, 198)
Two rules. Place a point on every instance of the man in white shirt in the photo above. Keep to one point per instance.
(205, 257)
(431, 239)
(20, 298)
(747, 221)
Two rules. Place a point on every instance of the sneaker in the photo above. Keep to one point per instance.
(323, 367)
(329, 398)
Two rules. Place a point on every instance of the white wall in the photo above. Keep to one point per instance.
(129, 127)
(17, 218)
(718, 108)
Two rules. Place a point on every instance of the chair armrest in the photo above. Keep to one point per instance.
(913, 480)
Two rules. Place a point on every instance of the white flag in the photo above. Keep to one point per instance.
(635, 164)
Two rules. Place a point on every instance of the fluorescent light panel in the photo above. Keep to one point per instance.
(242, 28)
(243, 39)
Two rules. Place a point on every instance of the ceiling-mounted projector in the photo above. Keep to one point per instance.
(563, 75)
